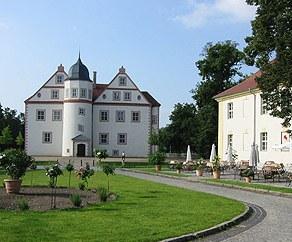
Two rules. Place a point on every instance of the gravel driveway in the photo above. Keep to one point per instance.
(276, 226)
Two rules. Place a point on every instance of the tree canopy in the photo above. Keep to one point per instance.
(220, 69)
(269, 48)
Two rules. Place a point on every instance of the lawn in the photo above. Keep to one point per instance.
(144, 211)
(164, 170)
(253, 185)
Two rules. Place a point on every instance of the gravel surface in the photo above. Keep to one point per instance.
(276, 226)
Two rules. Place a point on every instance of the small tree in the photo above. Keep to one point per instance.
(157, 158)
(108, 170)
(33, 167)
(19, 140)
(53, 174)
(69, 168)
(85, 173)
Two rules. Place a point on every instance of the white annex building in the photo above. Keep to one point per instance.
(243, 120)
(72, 115)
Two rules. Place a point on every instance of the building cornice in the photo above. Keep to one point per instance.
(237, 95)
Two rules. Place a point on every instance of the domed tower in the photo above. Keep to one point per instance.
(77, 114)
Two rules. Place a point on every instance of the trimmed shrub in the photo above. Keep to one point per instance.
(102, 193)
(76, 200)
(81, 186)
(22, 204)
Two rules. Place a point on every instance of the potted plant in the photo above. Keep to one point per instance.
(178, 167)
(200, 165)
(216, 167)
(248, 173)
(15, 162)
(156, 159)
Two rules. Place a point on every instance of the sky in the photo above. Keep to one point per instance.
(157, 41)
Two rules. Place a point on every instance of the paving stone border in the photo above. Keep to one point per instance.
(213, 230)
(251, 189)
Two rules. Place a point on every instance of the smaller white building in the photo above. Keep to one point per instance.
(243, 120)
(72, 115)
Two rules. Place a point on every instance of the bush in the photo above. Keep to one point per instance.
(76, 200)
(102, 193)
(156, 158)
(81, 186)
(22, 205)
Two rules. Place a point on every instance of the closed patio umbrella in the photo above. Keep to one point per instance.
(229, 154)
(189, 155)
(257, 155)
(253, 156)
(213, 153)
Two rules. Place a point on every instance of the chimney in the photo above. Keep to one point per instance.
(94, 79)
(122, 70)
(61, 68)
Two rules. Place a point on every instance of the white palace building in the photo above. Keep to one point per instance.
(72, 115)
(243, 119)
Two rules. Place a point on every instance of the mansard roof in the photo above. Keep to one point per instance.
(247, 84)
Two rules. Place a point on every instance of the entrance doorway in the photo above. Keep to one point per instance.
(81, 150)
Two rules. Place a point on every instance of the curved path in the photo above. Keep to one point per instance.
(276, 226)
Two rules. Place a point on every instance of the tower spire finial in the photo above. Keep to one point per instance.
(79, 54)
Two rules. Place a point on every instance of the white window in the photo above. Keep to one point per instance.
(263, 106)
(57, 115)
(40, 115)
(116, 96)
(230, 140)
(229, 110)
(120, 116)
(59, 79)
(135, 116)
(122, 139)
(154, 119)
(47, 137)
(74, 93)
(264, 141)
(54, 94)
(127, 96)
(81, 111)
(103, 138)
(104, 115)
(80, 128)
(67, 92)
(89, 94)
(83, 92)
(122, 81)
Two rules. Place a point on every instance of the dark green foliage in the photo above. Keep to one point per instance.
(19, 140)
(101, 155)
(9, 118)
(270, 48)
(247, 172)
(108, 170)
(102, 192)
(182, 129)
(156, 158)
(15, 162)
(69, 168)
(220, 70)
(22, 204)
(76, 200)
(85, 173)
(81, 186)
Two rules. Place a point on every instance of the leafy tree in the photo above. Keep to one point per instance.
(270, 48)
(220, 69)
(69, 168)
(19, 140)
(6, 137)
(108, 170)
(182, 128)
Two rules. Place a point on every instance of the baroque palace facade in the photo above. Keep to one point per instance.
(72, 115)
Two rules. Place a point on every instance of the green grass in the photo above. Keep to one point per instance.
(144, 211)
(164, 170)
(253, 185)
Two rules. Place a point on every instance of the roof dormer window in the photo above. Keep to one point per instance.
(59, 79)
(122, 81)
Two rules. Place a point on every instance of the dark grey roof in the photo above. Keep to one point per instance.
(81, 137)
(151, 99)
(78, 71)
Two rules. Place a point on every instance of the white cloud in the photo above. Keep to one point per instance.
(222, 11)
